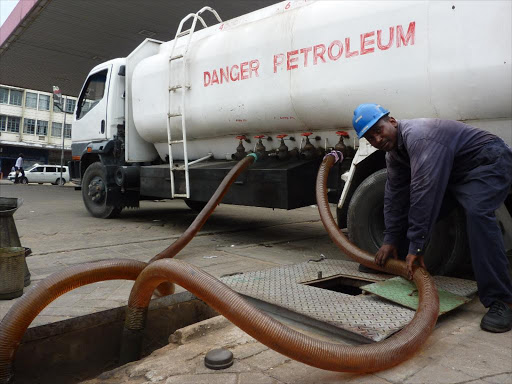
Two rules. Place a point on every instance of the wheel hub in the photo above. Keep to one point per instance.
(97, 190)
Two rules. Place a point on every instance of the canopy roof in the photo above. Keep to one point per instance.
(57, 42)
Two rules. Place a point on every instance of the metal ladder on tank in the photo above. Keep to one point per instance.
(180, 112)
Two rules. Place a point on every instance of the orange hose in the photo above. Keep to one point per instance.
(392, 266)
(21, 314)
(205, 213)
(172, 250)
(320, 354)
(325, 355)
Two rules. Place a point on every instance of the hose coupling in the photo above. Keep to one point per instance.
(254, 155)
(338, 156)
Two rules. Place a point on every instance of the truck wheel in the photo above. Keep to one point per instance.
(195, 205)
(94, 192)
(447, 248)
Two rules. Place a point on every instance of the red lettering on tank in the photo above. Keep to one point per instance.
(224, 75)
(365, 43)
(347, 51)
(381, 46)
(335, 43)
(244, 70)
(207, 78)
(278, 60)
(318, 53)
(290, 59)
(321, 53)
(253, 66)
(231, 73)
(306, 51)
(400, 39)
(215, 78)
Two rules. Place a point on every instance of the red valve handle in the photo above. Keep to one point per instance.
(306, 134)
(242, 137)
(281, 136)
(342, 133)
(259, 137)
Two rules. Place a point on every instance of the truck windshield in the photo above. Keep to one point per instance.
(92, 94)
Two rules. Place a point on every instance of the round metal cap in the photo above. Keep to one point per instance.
(218, 359)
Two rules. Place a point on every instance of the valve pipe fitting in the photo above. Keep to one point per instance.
(240, 150)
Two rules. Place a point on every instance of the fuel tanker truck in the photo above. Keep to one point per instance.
(172, 118)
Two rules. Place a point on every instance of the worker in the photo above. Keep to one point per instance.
(426, 158)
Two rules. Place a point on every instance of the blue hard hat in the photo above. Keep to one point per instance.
(365, 116)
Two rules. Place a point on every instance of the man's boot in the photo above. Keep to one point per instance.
(498, 319)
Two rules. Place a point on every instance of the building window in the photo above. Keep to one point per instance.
(29, 126)
(42, 128)
(13, 124)
(31, 100)
(70, 105)
(4, 95)
(15, 97)
(44, 102)
(67, 131)
(56, 129)
(3, 123)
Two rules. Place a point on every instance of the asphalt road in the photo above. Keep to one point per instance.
(53, 219)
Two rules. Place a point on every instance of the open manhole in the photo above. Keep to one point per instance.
(340, 284)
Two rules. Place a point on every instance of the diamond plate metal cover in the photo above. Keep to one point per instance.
(365, 315)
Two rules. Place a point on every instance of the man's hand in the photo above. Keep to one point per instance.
(384, 252)
(410, 260)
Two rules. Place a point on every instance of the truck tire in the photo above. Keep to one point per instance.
(447, 248)
(94, 192)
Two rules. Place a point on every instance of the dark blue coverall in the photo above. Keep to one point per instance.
(432, 157)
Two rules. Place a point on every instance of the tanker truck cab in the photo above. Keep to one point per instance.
(98, 121)
(100, 106)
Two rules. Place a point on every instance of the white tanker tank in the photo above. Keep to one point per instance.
(304, 66)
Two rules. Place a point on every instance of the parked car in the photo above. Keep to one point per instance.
(43, 174)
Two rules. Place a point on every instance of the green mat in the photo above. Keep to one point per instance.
(404, 292)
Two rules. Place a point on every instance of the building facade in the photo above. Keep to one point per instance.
(30, 123)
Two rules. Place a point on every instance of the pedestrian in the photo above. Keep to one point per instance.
(19, 169)
(426, 158)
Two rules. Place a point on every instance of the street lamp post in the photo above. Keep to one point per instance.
(58, 101)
